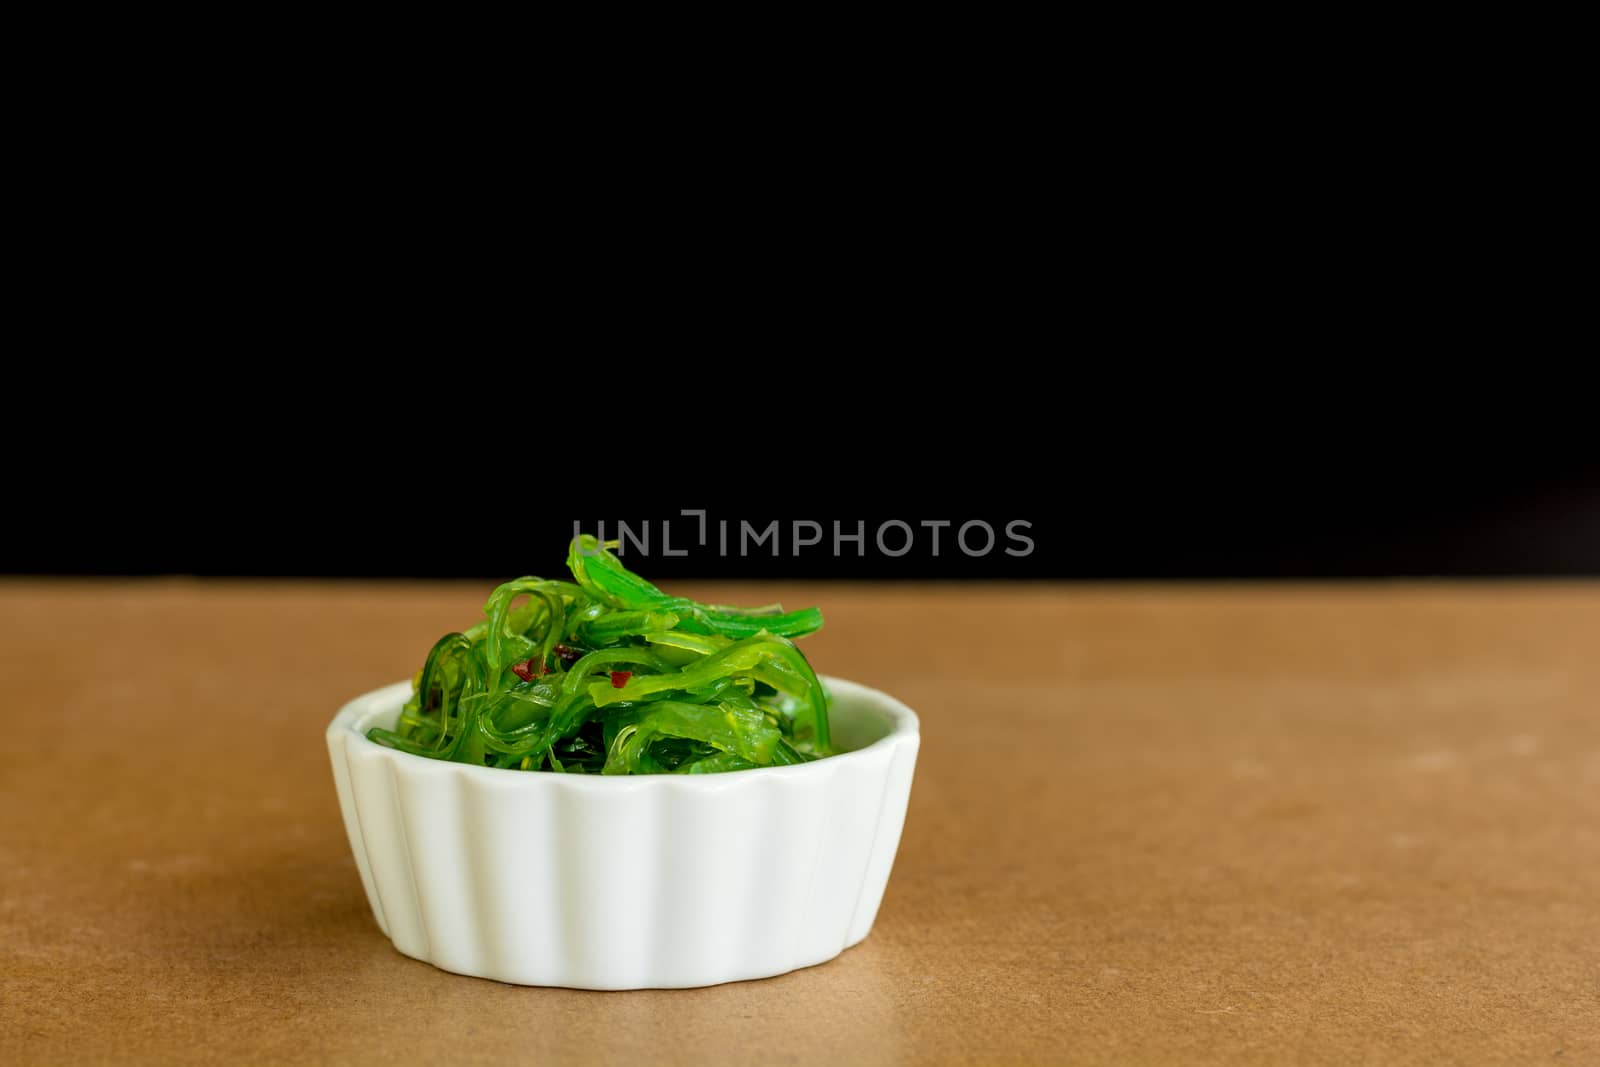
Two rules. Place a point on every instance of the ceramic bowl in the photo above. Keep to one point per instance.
(650, 881)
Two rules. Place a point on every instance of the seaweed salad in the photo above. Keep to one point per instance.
(606, 674)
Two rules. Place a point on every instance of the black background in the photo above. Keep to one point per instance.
(1172, 363)
(1104, 499)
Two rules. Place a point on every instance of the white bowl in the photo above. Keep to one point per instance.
(650, 881)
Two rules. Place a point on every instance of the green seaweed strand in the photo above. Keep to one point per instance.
(608, 674)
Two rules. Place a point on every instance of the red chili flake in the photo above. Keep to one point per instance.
(525, 670)
(568, 653)
(620, 678)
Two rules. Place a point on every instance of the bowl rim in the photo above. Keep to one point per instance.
(905, 729)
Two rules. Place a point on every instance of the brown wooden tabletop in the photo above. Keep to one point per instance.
(1292, 824)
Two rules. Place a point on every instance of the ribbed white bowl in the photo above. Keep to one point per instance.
(654, 881)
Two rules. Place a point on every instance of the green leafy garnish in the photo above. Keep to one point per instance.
(607, 674)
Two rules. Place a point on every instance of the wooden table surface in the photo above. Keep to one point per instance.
(1290, 824)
